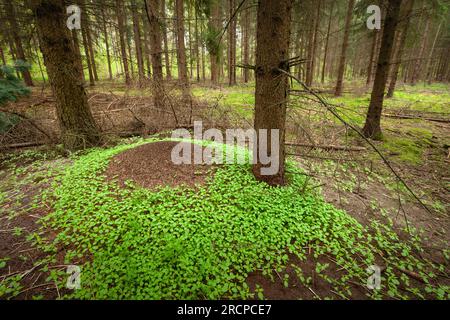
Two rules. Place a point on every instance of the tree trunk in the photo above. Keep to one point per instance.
(213, 47)
(105, 34)
(14, 31)
(166, 43)
(418, 65)
(313, 47)
(87, 27)
(88, 58)
(231, 44)
(156, 52)
(123, 48)
(137, 41)
(272, 53)
(373, 50)
(2, 55)
(341, 71)
(78, 59)
(246, 31)
(397, 59)
(372, 128)
(78, 128)
(429, 67)
(181, 52)
(197, 44)
(325, 56)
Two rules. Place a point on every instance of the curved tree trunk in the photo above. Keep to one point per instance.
(78, 128)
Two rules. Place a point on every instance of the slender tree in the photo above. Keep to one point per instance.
(343, 57)
(372, 127)
(123, 48)
(181, 51)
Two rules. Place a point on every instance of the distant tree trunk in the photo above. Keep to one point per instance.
(156, 52)
(313, 46)
(197, 43)
(181, 52)
(231, 44)
(272, 53)
(372, 128)
(429, 67)
(105, 34)
(348, 20)
(78, 59)
(203, 55)
(213, 47)
(137, 41)
(87, 27)
(78, 128)
(397, 58)
(418, 65)
(166, 43)
(123, 48)
(14, 31)
(245, 39)
(373, 50)
(88, 58)
(325, 56)
(146, 46)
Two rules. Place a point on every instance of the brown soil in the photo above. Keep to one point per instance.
(150, 166)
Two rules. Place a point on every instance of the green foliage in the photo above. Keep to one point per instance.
(181, 243)
(11, 87)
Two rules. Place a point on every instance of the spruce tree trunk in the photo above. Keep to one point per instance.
(14, 31)
(78, 128)
(137, 41)
(214, 27)
(418, 65)
(79, 60)
(231, 44)
(341, 71)
(272, 53)
(372, 128)
(429, 67)
(197, 44)
(105, 34)
(397, 59)
(325, 56)
(166, 43)
(88, 58)
(123, 48)
(373, 50)
(181, 51)
(246, 27)
(156, 52)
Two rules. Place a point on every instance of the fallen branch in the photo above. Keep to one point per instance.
(326, 147)
(404, 116)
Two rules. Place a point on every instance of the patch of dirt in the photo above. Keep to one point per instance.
(150, 166)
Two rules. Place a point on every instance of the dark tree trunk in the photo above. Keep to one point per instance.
(213, 47)
(78, 59)
(231, 44)
(14, 31)
(397, 59)
(373, 50)
(137, 41)
(88, 58)
(156, 52)
(78, 128)
(166, 43)
(325, 56)
(108, 55)
(372, 128)
(419, 61)
(341, 71)
(181, 52)
(2, 55)
(245, 39)
(272, 52)
(123, 47)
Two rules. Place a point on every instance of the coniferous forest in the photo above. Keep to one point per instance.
(224, 150)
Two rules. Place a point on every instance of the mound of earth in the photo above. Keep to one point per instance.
(150, 165)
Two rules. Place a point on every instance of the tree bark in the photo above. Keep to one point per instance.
(166, 43)
(14, 31)
(213, 47)
(231, 44)
(123, 48)
(181, 51)
(397, 59)
(245, 36)
(88, 58)
(325, 56)
(78, 59)
(105, 34)
(418, 65)
(341, 71)
(137, 41)
(78, 128)
(156, 52)
(372, 128)
(272, 53)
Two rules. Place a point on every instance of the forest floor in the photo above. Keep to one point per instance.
(213, 232)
